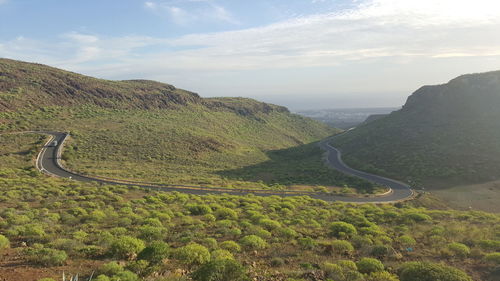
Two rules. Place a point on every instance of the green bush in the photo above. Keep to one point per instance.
(427, 271)
(276, 262)
(458, 250)
(225, 213)
(110, 268)
(221, 270)
(199, 209)
(307, 243)
(231, 246)
(4, 242)
(253, 242)
(406, 241)
(126, 247)
(221, 255)
(493, 258)
(102, 277)
(155, 252)
(342, 229)
(342, 247)
(490, 245)
(193, 254)
(369, 265)
(333, 271)
(380, 251)
(382, 276)
(47, 257)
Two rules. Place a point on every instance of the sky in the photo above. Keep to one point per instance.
(304, 54)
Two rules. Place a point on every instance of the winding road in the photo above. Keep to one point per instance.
(48, 161)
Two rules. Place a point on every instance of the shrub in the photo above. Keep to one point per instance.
(221, 270)
(347, 265)
(490, 245)
(269, 224)
(493, 258)
(193, 254)
(155, 253)
(125, 276)
(277, 262)
(102, 277)
(342, 247)
(333, 271)
(307, 243)
(406, 241)
(369, 265)
(225, 213)
(150, 233)
(4, 242)
(126, 247)
(199, 209)
(47, 257)
(427, 271)
(342, 229)
(458, 249)
(417, 217)
(210, 243)
(221, 255)
(231, 246)
(382, 276)
(380, 251)
(110, 268)
(253, 242)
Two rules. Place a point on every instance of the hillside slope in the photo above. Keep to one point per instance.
(444, 135)
(146, 130)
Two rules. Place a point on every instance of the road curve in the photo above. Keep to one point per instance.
(48, 161)
(399, 190)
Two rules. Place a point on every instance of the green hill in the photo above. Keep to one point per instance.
(444, 135)
(146, 130)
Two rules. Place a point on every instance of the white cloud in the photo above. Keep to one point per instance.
(183, 12)
(378, 33)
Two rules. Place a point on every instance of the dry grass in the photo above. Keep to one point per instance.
(484, 197)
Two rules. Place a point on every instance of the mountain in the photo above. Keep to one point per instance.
(33, 86)
(146, 130)
(444, 135)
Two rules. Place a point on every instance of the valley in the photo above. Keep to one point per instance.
(167, 185)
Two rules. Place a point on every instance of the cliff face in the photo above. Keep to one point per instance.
(445, 134)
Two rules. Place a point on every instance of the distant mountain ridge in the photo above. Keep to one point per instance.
(445, 134)
(30, 86)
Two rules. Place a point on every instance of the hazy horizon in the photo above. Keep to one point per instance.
(302, 54)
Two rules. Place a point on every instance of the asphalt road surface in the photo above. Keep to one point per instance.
(48, 162)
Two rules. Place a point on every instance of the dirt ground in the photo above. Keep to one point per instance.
(14, 268)
(484, 197)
